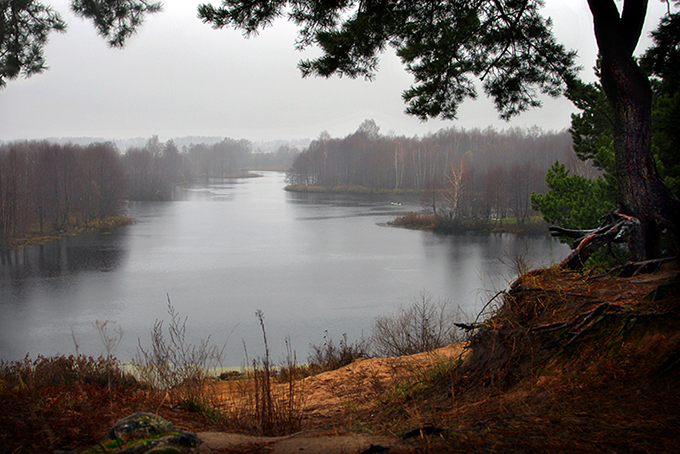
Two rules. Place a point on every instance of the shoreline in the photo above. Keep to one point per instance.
(101, 225)
(345, 189)
(564, 359)
(533, 226)
(443, 226)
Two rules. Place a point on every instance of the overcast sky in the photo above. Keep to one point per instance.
(178, 77)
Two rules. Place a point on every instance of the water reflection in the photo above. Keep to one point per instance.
(212, 189)
(84, 253)
(48, 292)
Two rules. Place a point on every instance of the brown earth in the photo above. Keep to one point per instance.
(568, 363)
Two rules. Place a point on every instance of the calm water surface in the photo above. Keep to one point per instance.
(225, 249)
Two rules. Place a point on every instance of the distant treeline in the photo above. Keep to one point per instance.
(152, 171)
(47, 187)
(461, 173)
(487, 174)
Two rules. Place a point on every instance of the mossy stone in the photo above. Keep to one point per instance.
(143, 433)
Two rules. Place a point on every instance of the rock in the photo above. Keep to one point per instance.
(143, 433)
(139, 425)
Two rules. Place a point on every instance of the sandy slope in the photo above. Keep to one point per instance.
(324, 398)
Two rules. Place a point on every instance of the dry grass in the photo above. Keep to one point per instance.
(341, 398)
(62, 402)
(569, 363)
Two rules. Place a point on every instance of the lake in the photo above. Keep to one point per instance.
(225, 248)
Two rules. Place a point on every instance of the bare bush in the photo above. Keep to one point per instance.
(423, 326)
(330, 356)
(172, 361)
(517, 262)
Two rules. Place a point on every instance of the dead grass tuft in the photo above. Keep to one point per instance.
(64, 402)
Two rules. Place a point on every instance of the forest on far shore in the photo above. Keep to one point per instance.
(49, 188)
(460, 174)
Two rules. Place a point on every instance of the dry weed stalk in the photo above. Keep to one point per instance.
(175, 365)
(111, 342)
(277, 410)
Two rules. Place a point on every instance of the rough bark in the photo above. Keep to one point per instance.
(641, 191)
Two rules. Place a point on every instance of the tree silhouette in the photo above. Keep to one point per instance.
(25, 26)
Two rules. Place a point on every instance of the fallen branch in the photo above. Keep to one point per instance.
(616, 228)
(467, 326)
(474, 324)
(591, 319)
(599, 309)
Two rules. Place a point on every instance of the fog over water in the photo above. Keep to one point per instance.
(222, 250)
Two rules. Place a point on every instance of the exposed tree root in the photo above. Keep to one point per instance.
(582, 323)
(631, 269)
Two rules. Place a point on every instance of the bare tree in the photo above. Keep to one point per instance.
(455, 187)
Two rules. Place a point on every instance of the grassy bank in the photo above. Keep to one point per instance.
(424, 221)
(351, 189)
(34, 236)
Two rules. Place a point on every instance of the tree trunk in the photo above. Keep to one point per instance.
(641, 191)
